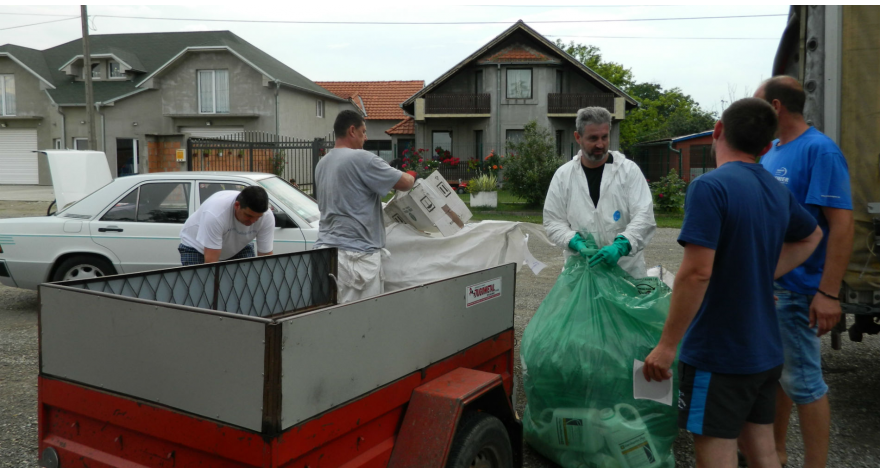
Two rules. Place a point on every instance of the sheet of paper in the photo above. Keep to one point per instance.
(658, 391)
(530, 261)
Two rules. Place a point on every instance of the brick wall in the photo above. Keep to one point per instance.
(162, 154)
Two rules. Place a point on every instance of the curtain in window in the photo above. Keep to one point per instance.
(519, 83)
(222, 82)
(206, 91)
(9, 94)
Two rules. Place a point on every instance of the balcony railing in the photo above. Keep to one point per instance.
(561, 103)
(457, 104)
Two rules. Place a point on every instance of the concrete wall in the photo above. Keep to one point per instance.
(32, 101)
(376, 128)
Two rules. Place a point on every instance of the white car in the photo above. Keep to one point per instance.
(133, 224)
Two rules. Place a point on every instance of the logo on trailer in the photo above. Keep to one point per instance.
(482, 292)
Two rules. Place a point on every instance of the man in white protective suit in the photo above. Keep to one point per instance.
(600, 192)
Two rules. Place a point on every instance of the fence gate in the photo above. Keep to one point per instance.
(290, 158)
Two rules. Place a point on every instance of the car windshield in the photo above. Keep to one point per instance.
(293, 198)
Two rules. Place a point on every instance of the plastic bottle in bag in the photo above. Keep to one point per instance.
(627, 437)
(576, 429)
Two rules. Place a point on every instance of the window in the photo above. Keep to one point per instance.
(442, 140)
(478, 144)
(519, 83)
(80, 143)
(115, 70)
(515, 136)
(207, 190)
(96, 70)
(295, 200)
(124, 210)
(559, 137)
(214, 92)
(319, 109)
(381, 148)
(56, 144)
(478, 82)
(7, 94)
(559, 81)
(166, 203)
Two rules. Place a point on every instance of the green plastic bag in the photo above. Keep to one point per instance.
(577, 361)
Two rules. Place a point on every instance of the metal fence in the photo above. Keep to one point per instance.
(290, 158)
(263, 286)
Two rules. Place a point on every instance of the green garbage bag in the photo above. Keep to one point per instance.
(577, 363)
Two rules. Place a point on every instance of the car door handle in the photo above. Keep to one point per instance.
(109, 229)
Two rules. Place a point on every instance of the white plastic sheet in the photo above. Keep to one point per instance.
(417, 258)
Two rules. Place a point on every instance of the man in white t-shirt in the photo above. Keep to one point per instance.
(225, 226)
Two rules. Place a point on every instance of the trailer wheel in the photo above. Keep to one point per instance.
(481, 440)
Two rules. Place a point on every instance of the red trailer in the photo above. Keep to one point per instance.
(251, 363)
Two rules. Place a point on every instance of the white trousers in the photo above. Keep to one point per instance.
(360, 275)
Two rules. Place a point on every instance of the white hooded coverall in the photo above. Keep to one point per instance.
(625, 208)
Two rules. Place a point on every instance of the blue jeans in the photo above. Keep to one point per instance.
(802, 373)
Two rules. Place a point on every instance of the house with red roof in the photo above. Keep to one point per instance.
(486, 100)
(389, 130)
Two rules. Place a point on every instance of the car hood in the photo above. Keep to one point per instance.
(76, 174)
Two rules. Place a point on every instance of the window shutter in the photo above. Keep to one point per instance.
(9, 93)
(206, 92)
(222, 79)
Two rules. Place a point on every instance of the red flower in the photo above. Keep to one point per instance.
(420, 160)
(661, 195)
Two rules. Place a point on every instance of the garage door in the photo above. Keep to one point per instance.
(18, 162)
(210, 132)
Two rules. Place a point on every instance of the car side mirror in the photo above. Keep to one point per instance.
(284, 221)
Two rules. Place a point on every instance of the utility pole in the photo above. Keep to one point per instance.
(87, 72)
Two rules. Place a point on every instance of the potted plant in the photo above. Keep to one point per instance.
(484, 191)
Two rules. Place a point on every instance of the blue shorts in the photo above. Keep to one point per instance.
(802, 373)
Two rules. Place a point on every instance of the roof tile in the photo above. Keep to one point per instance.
(406, 126)
(382, 99)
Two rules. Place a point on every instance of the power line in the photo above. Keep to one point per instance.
(657, 37)
(404, 23)
(40, 23)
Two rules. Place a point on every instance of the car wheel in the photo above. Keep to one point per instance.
(83, 267)
(481, 440)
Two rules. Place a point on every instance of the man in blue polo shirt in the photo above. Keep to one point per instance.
(812, 167)
(741, 230)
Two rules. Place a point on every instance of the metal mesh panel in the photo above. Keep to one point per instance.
(263, 286)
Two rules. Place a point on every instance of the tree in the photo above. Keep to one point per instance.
(661, 113)
(591, 57)
(531, 163)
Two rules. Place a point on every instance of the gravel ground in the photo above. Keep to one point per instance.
(853, 373)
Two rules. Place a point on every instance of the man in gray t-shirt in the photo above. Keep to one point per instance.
(351, 183)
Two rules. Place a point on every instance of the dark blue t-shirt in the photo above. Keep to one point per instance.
(814, 170)
(745, 215)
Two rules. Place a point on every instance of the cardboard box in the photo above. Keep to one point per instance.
(430, 206)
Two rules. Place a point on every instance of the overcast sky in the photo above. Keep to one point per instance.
(710, 70)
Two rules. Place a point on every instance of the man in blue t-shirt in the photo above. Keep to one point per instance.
(812, 167)
(741, 230)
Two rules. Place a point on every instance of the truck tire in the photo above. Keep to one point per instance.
(481, 440)
(81, 267)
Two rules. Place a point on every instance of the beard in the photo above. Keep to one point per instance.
(594, 158)
(712, 155)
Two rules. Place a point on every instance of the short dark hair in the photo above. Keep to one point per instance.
(788, 91)
(254, 198)
(345, 120)
(749, 125)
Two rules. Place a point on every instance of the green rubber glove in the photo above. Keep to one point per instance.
(579, 245)
(610, 254)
